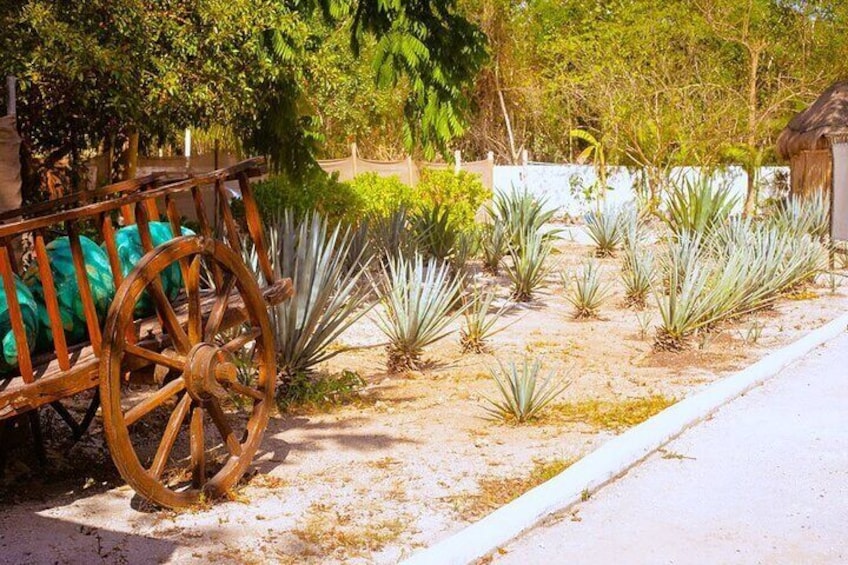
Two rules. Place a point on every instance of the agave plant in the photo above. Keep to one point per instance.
(637, 275)
(391, 234)
(527, 269)
(481, 316)
(521, 214)
(329, 298)
(697, 207)
(606, 225)
(742, 268)
(494, 243)
(585, 291)
(522, 393)
(418, 297)
(800, 215)
(435, 233)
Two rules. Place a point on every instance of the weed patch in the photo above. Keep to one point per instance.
(610, 415)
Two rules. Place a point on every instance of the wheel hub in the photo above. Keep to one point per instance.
(206, 365)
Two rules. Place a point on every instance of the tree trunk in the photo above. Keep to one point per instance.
(750, 167)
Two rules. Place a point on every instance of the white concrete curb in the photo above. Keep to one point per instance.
(614, 458)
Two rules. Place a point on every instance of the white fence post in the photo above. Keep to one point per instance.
(457, 165)
(353, 157)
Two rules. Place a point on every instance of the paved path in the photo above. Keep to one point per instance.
(764, 481)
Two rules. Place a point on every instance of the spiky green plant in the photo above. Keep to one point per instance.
(605, 226)
(637, 275)
(480, 318)
(329, 298)
(522, 394)
(418, 299)
(800, 215)
(521, 214)
(494, 243)
(528, 266)
(435, 233)
(391, 234)
(585, 291)
(743, 267)
(698, 206)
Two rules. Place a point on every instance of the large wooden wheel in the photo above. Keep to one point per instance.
(214, 405)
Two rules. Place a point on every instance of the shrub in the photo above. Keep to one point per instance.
(328, 298)
(382, 196)
(417, 299)
(527, 269)
(480, 319)
(306, 391)
(463, 192)
(698, 206)
(585, 292)
(522, 394)
(435, 232)
(319, 192)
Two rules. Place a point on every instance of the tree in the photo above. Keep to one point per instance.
(127, 73)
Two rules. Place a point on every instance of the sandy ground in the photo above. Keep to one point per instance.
(374, 481)
(763, 481)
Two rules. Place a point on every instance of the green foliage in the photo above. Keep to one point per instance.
(637, 275)
(463, 192)
(585, 291)
(391, 235)
(381, 196)
(697, 207)
(528, 266)
(435, 232)
(417, 307)
(329, 297)
(481, 315)
(319, 391)
(318, 192)
(522, 393)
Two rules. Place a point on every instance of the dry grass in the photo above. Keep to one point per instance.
(494, 492)
(609, 415)
(330, 532)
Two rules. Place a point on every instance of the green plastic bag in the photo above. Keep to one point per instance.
(130, 252)
(64, 279)
(29, 313)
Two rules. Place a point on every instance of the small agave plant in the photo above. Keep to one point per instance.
(418, 299)
(522, 392)
(481, 317)
(528, 266)
(606, 228)
(585, 291)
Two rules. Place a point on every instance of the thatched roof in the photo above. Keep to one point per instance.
(828, 115)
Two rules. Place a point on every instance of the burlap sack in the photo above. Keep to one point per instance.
(10, 165)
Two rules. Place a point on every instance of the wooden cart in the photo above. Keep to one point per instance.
(193, 437)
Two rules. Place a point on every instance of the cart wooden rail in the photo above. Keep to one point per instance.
(208, 356)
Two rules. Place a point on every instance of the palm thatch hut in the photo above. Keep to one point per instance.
(806, 141)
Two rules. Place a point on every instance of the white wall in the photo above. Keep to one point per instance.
(563, 185)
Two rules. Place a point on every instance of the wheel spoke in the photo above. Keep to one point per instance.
(244, 390)
(198, 448)
(216, 315)
(153, 401)
(170, 322)
(172, 362)
(195, 322)
(242, 340)
(220, 420)
(170, 437)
